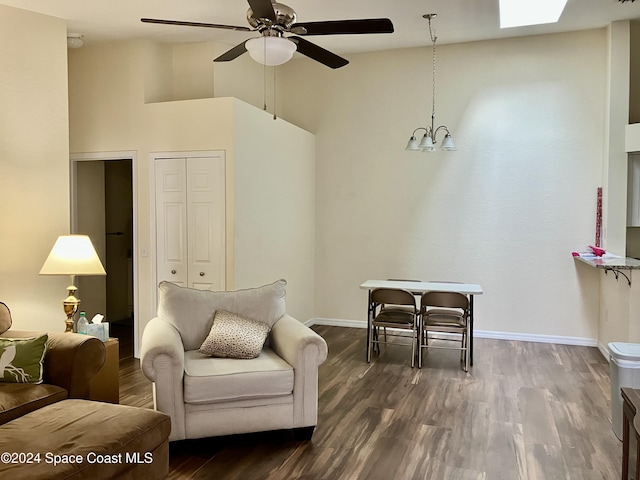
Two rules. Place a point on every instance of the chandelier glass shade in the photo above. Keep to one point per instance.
(428, 141)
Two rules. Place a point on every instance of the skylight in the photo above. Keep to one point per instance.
(519, 13)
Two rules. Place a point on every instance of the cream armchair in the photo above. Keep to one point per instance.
(208, 396)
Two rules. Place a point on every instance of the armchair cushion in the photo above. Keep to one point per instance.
(234, 336)
(210, 380)
(191, 311)
(22, 359)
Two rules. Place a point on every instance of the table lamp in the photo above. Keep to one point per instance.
(72, 255)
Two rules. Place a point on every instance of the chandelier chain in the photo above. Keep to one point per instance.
(433, 107)
(434, 38)
(428, 142)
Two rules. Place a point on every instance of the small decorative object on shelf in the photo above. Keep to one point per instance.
(598, 216)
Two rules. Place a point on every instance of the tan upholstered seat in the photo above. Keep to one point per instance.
(211, 380)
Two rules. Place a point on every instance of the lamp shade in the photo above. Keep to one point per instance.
(73, 255)
(270, 50)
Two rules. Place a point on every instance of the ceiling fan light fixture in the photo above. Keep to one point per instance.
(270, 51)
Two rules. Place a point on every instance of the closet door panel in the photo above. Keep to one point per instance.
(206, 241)
(171, 221)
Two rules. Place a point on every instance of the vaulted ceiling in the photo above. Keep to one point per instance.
(457, 21)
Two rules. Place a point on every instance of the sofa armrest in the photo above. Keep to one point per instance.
(162, 362)
(71, 360)
(304, 350)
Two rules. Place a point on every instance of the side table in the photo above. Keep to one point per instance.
(105, 385)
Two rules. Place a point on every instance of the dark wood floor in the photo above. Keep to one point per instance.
(525, 411)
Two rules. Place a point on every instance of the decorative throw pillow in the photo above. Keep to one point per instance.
(22, 359)
(234, 336)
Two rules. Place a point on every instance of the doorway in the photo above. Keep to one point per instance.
(103, 208)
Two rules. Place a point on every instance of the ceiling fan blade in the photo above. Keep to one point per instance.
(347, 27)
(319, 54)
(194, 24)
(232, 54)
(262, 9)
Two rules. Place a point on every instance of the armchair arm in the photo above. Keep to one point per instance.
(305, 350)
(71, 360)
(162, 361)
(292, 339)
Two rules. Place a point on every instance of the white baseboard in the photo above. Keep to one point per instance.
(336, 322)
(603, 350)
(522, 337)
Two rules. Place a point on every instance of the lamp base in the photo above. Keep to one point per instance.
(70, 305)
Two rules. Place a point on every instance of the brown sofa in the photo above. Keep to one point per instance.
(69, 363)
(44, 425)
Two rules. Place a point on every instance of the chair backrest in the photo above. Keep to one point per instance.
(444, 300)
(393, 296)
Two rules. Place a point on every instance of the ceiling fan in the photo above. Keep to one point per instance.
(272, 20)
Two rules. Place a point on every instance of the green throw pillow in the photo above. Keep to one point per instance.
(21, 359)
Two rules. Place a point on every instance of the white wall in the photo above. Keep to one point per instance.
(108, 88)
(34, 159)
(274, 202)
(119, 101)
(504, 211)
(616, 119)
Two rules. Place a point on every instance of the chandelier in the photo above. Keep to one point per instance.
(428, 141)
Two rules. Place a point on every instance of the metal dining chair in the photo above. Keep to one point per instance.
(397, 310)
(448, 313)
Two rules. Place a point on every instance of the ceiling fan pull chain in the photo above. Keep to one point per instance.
(264, 79)
(274, 93)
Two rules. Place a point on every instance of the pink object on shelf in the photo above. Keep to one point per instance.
(597, 251)
(598, 216)
(575, 254)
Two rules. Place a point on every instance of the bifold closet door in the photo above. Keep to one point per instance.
(206, 222)
(190, 221)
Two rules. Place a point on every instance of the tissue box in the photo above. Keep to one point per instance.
(100, 330)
